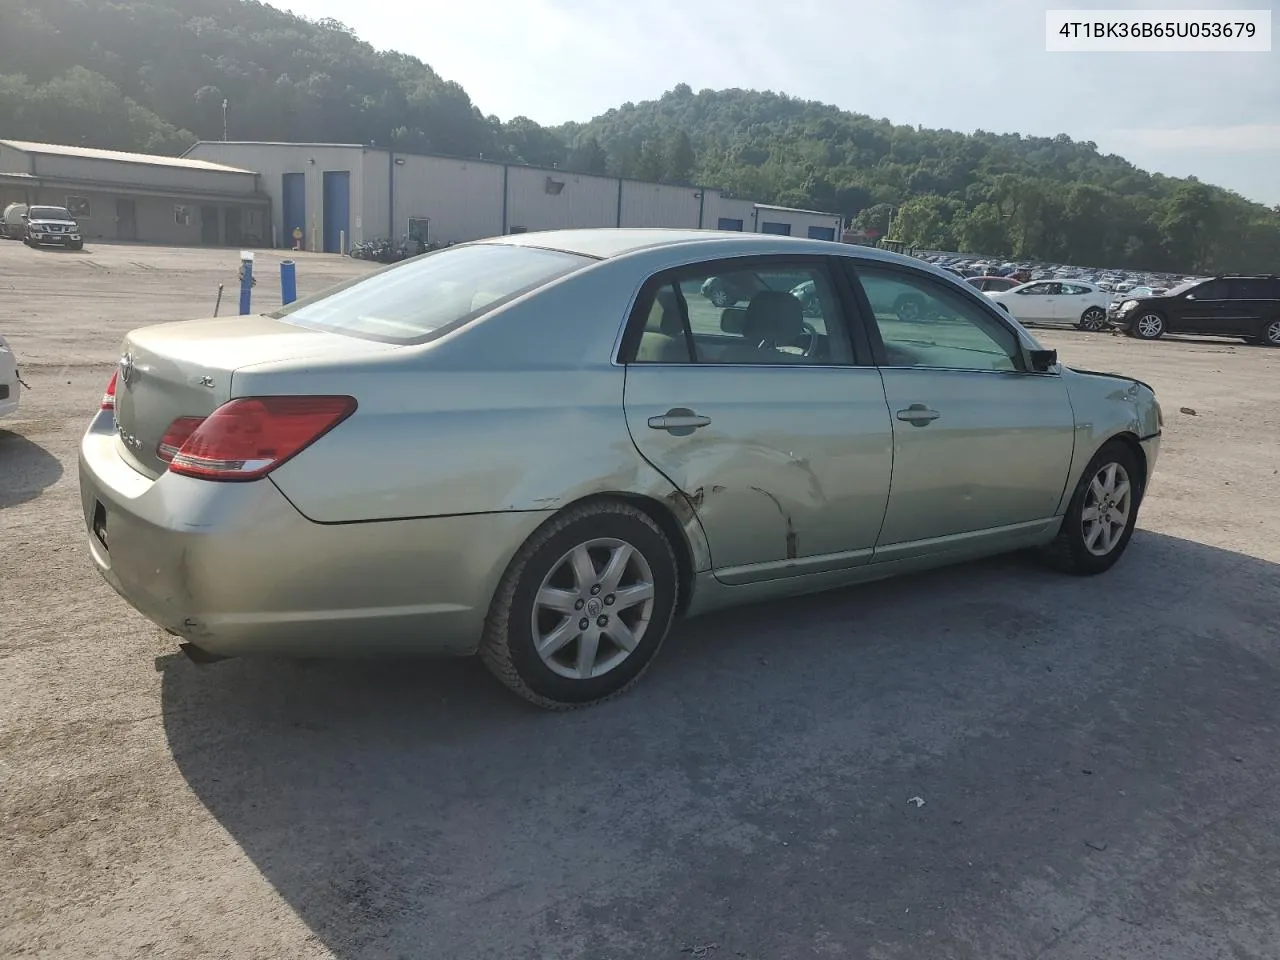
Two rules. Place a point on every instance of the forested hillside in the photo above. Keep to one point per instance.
(152, 75)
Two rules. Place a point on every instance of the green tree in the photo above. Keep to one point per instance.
(680, 158)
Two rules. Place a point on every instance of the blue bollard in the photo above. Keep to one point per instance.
(246, 281)
(288, 282)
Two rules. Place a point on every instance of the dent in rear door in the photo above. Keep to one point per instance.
(790, 475)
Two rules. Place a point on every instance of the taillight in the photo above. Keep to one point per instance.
(179, 432)
(109, 398)
(249, 437)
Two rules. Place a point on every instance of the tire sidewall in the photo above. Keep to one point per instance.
(1113, 451)
(1263, 338)
(540, 679)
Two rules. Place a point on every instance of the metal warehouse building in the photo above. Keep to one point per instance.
(338, 194)
(134, 196)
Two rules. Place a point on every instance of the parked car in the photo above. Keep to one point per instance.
(992, 284)
(1074, 302)
(543, 447)
(10, 384)
(1229, 306)
(51, 226)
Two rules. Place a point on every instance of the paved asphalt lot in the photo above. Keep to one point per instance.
(1097, 757)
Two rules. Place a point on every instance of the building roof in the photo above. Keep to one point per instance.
(119, 156)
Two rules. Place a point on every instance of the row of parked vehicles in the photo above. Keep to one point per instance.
(41, 225)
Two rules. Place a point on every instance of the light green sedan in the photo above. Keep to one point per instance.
(544, 448)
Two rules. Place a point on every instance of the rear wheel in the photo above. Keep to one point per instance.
(1102, 513)
(583, 607)
(1148, 326)
(720, 297)
(1095, 319)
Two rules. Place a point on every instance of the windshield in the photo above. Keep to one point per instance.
(49, 213)
(409, 302)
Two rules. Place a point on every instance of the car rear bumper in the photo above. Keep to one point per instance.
(235, 569)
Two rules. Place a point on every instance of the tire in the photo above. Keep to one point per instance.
(719, 297)
(546, 562)
(1148, 326)
(1094, 319)
(1076, 549)
(75, 246)
(908, 309)
(1270, 335)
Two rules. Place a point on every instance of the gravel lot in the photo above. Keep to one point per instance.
(1097, 757)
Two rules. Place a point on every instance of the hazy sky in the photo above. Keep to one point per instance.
(956, 64)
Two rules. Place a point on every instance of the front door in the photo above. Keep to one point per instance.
(1037, 302)
(758, 414)
(126, 220)
(980, 445)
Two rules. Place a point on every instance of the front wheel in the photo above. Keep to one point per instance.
(1270, 333)
(583, 607)
(75, 245)
(1102, 514)
(1094, 319)
(1149, 326)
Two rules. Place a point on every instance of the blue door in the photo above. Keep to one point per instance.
(293, 206)
(822, 233)
(337, 209)
(781, 229)
(729, 223)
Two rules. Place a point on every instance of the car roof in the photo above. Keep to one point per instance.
(608, 242)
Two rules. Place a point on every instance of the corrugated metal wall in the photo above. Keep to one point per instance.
(274, 160)
(461, 199)
(581, 201)
(469, 199)
(660, 205)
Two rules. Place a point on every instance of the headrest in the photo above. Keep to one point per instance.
(775, 316)
(670, 323)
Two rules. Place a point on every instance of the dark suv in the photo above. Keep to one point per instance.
(1229, 306)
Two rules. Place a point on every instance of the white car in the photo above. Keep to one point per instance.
(1077, 303)
(10, 385)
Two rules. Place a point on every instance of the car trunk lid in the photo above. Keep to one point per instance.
(185, 369)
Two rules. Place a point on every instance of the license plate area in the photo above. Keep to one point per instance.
(100, 525)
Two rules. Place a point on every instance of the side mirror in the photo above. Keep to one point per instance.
(25, 217)
(1042, 360)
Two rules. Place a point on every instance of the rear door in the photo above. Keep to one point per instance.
(982, 446)
(1245, 307)
(1036, 302)
(761, 415)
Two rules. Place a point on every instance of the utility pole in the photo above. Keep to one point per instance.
(224, 119)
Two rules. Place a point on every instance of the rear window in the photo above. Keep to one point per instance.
(412, 301)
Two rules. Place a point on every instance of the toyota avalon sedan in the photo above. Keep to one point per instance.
(544, 448)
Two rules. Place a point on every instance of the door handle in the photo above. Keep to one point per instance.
(918, 415)
(679, 420)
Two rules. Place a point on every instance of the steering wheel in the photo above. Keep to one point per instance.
(812, 333)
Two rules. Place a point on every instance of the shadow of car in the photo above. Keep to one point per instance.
(755, 793)
(26, 469)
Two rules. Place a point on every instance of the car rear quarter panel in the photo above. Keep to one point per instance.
(519, 411)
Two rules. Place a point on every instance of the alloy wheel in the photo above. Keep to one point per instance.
(1094, 319)
(1107, 506)
(592, 610)
(1150, 326)
(1272, 332)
